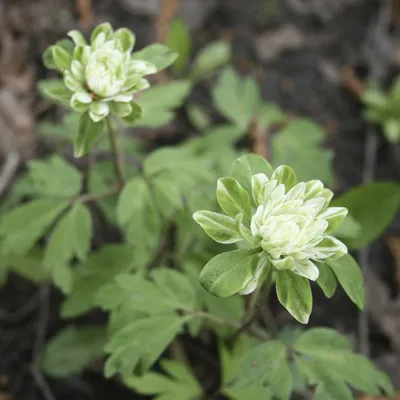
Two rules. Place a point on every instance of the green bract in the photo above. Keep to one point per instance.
(288, 225)
(102, 76)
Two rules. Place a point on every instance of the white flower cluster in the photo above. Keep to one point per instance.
(294, 226)
(290, 224)
(103, 76)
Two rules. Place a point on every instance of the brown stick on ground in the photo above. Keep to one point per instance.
(352, 82)
(85, 9)
(260, 137)
(168, 11)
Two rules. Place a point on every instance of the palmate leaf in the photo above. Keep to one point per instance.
(22, 227)
(54, 177)
(238, 100)
(179, 384)
(71, 237)
(266, 365)
(168, 291)
(325, 358)
(139, 218)
(98, 270)
(139, 344)
(159, 101)
(72, 350)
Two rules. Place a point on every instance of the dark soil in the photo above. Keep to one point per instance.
(301, 72)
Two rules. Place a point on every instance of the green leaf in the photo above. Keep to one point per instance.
(248, 165)
(55, 177)
(210, 58)
(98, 270)
(236, 100)
(176, 286)
(179, 384)
(142, 342)
(159, 55)
(373, 206)
(29, 266)
(88, 132)
(267, 365)
(62, 275)
(71, 237)
(198, 117)
(350, 277)
(169, 291)
(132, 199)
(326, 280)
(328, 354)
(294, 293)
(300, 146)
(23, 226)
(227, 273)
(219, 227)
(138, 215)
(328, 386)
(159, 101)
(321, 343)
(270, 114)
(55, 90)
(72, 350)
(167, 195)
(61, 57)
(180, 41)
(233, 199)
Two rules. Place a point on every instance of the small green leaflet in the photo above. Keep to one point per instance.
(373, 207)
(72, 350)
(87, 134)
(55, 90)
(159, 101)
(179, 384)
(158, 54)
(230, 360)
(139, 344)
(235, 99)
(138, 215)
(248, 165)
(325, 358)
(233, 199)
(350, 277)
(300, 146)
(54, 177)
(326, 280)
(266, 365)
(219, 227)
(294, 293)
(23, 226)
(71, 237)
(210, 58)
(227, 273)
(29, 266)
(98, 270)
(180, 41)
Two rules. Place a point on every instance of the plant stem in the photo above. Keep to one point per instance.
(88, 197)
(117, 155)
(255, 304)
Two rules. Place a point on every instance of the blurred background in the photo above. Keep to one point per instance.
(310, 58)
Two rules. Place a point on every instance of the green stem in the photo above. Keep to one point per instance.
(117, 154)
(256, 300)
